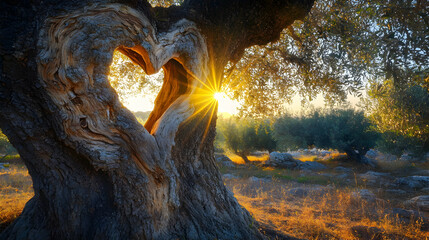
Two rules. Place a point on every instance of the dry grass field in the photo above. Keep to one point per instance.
(16, 188)
(318, 205)
(313, 212)
(289, 202)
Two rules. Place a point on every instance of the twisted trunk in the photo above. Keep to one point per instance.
(359, 157)
(97, 173)
(243, 156)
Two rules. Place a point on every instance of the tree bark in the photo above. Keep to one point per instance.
(359, 157)
(353, 155)
(97, 173)
(244, 157)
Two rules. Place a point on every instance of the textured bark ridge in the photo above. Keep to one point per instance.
(97, 173)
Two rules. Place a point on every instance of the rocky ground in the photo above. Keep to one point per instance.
(311, 194)
(16, 188)
(335, 198)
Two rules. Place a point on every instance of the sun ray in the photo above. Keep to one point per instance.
(218, 96)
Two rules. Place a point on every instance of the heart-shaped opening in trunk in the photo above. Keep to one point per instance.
(76, 52)
(174, 82)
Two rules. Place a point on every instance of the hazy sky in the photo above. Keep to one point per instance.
(145, 103)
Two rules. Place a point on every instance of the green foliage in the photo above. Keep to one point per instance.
(242, 136)
(129, 79)
(349, 130)
(344, 129)
(292, 133)
(165, 3)
(335, 50)
(400, 111)
(264, 136)
(397, 144)
(338, 47)
(5, 147)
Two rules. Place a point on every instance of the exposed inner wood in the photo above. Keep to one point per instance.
(175, 84)
(137, 58)
(175, 81)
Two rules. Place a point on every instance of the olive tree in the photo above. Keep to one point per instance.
(347, 130)
(97, 172)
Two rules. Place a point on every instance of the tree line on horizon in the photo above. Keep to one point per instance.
(395, 121)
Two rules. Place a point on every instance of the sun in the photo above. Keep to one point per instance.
(219, 96)
(226, 104)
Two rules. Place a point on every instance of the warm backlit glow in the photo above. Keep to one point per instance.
(139, 102)
(143, 102)
(208, 94)
(226, 104)
(218, 96)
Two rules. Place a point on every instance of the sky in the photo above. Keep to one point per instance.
(226, 105)
(142, 102)
(145, 103)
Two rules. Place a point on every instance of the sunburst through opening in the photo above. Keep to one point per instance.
(219, 96)
(226, 104)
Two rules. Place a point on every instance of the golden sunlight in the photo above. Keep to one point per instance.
(226, 104)
(219, 96)
(137, 90)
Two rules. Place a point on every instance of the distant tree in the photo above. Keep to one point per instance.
(350, 132)
(291, 133)
(400, 111)
(308, 130)
(264, 137)
(397, 144)
(5, 147)
(344, 129)
(242, 136)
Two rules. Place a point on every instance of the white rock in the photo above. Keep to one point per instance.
(372, 153)
(280, 157)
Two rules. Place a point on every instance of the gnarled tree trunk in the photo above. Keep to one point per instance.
(97, 173)
(359, 156)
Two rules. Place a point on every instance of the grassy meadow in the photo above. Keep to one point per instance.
(287, 203)
(16, 188)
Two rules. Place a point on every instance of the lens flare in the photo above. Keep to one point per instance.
(219, 96)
